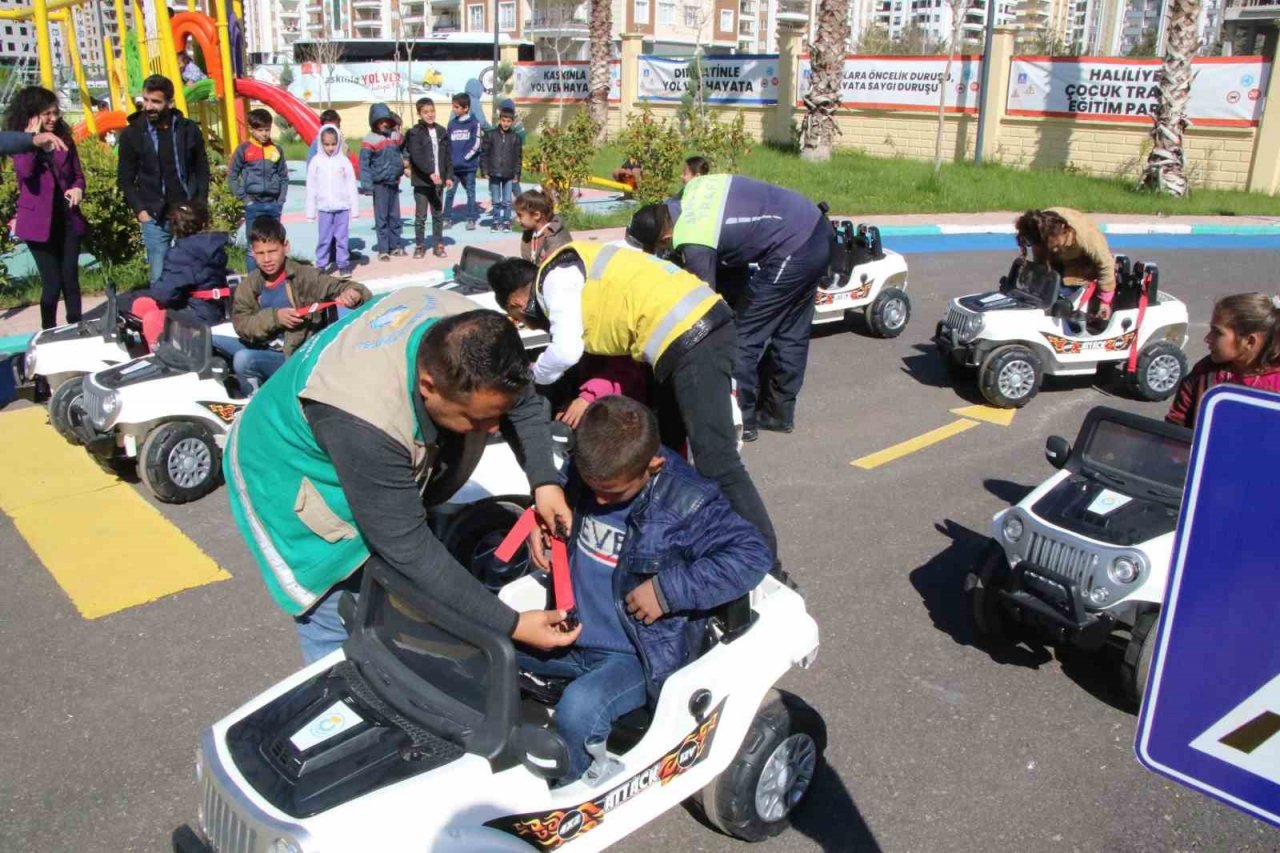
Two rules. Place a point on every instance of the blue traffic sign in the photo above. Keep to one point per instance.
(1211, 716)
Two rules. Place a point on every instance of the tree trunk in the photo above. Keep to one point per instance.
(826, 64)
(1166, 164)
(958, 10)
(601, 29)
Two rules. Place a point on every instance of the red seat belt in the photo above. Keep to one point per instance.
(562, 586)
(314, 307)
(215, 293)
(1132, 365)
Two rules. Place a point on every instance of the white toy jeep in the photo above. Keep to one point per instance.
(1084, 558)
(1031, 328)
(863, 277)
(421, 735)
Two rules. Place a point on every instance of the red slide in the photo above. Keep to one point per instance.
(295, 111)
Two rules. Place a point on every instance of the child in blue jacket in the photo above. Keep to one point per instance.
(381, 165)
(654, 547)
(466, 138)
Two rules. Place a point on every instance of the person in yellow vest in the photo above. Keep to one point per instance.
(1072, 244)
(614, 300)
(331, 465)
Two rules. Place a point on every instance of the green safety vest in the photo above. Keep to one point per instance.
(285, 494)
(702, 211)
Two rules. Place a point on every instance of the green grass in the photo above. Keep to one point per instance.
(858, 184)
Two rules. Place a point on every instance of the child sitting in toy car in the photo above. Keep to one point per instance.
(655, 546)
(1071, 243)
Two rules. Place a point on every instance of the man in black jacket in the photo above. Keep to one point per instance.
(162, 161)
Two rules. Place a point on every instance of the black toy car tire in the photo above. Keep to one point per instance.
(984, 601)
(1159, 358)
(784, 725)
(184, 438)
(1005, 359)
(60, 407)
(1137, 656)
(481, 527)
(886, 321)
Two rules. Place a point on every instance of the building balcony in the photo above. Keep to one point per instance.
(1251, 10)
(747, 8)
(367, 4)
(570, 22)
(792, 12)
(367, 24)
(747, 29)
(286, 15)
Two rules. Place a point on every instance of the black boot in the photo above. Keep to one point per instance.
(775, 424)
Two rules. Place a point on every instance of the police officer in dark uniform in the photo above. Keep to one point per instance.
(720, 225)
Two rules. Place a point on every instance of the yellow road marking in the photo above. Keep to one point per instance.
(104, 545)
(911, 445)
(989, 414)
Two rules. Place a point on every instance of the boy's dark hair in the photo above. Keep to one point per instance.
(698, 165)
(648, 225)
(1035, 227)
(462, 99)
(159, 83)
(535, 201)
(474, 351)
(617, 437)
(188, 217)
(509, 275)
(259, 119)
(267, 229)
(330, 117)
(507, 112)
(423, 102)
(182, 54)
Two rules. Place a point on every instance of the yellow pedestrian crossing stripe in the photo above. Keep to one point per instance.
(103, 543)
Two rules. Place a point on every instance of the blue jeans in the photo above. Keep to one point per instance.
(155, 239)
(253, 367)
(252, 210)
(500, 195)
(320, 631)
(605, 686)
(466, 180)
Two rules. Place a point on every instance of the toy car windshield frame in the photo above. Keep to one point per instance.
(442, 670)
(185, 346)
(472, 270)
(1032, 282)
(1136, 480)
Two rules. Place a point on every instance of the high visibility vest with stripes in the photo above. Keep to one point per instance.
(702, 211)
(632, 303)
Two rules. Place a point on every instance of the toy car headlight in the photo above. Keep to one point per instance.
(1099, 595)
(285, 845)
(29, 361)
(971, 327)
(1011, 528)
(1125, 569)
(103, 416)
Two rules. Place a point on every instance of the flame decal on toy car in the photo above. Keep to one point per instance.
(226, 412)
(1068, 346)
(550, 830)
(859, 292)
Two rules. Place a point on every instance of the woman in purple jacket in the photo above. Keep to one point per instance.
(50, 189)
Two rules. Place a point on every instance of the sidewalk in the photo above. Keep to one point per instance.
(403, 271)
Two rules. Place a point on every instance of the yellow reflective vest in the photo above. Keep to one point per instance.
(632, 303)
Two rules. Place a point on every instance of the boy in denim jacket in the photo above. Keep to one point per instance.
(654, 546)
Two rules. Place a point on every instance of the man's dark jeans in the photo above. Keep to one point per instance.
(694, 403)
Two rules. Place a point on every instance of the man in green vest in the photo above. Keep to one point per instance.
(333, 463)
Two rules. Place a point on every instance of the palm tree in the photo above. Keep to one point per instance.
(1166, 164)
(826, 65)
(601, 33)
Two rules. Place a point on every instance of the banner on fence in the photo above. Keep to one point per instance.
(726, 79)
(369, 82)
(563, 82)
(1226, 91)
(903, 82)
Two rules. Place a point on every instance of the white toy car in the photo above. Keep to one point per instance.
(420, 735)
(1030, 329)
(866, 277)
(1084, 558)
(169, 412)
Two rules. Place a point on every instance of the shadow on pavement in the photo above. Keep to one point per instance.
(940, 583)
(927, 368)
(1098, 674)
(830, 817)
(1006, 490)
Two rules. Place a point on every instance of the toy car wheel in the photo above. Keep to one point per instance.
(1010, 377)
(476, 533)
(1161, 366)
(1137, 655)
(60, 403)
(983, 598)
(888, 314)
(180, 462)
(755, 795)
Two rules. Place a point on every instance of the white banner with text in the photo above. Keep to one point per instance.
(725, 79)
(562, 82)
(903, 82)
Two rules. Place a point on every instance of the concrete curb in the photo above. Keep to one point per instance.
(1112, 228)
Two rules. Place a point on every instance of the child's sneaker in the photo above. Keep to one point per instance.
(384, 256)
(438, 251)
(399, 252)
(471, 226)
(495, 228)
(344, 273)
(419, 252)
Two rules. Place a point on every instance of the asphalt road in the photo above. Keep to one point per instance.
(937, 743)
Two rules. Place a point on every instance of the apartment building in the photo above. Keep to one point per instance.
(935, 19)
(17, 38)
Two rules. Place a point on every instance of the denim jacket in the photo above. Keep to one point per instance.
(701, 554)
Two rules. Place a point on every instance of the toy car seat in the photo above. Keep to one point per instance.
(471, 273)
